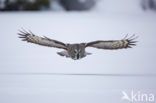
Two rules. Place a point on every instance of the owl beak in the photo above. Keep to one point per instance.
(78, 56)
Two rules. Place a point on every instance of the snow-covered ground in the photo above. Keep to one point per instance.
(32, 67)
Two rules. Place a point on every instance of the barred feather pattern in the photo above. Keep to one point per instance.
(44, 41)
(114, 44)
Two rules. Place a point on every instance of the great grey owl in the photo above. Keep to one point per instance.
(77, 51)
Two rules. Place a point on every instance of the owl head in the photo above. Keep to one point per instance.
(76, 51)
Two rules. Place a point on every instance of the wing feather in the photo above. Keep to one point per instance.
(114, 44)
(44, 41)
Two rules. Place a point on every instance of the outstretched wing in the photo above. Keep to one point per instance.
(114, 44)
(30, 37)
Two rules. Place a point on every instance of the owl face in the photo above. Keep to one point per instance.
(76, 51)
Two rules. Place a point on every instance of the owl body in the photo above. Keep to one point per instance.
(77, 51)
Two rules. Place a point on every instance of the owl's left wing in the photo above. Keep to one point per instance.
(44, 41)
(114, 44)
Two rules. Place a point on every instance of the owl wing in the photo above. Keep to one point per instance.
(114, 44)
(44, 41)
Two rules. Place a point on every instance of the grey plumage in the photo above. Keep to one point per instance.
(77, 51)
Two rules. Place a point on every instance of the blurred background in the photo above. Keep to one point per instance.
(31, 73)
(68, 5)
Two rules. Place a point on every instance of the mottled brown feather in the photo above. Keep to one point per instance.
(45, 41)
(114, 44)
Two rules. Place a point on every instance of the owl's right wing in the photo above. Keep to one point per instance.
(44, 41)
(114, 44)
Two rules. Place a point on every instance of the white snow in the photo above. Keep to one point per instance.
(35, 64)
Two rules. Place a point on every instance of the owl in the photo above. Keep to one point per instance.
(77, 51)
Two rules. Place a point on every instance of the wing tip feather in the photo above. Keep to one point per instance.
(131, 40)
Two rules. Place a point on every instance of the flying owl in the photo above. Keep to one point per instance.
(77, 51)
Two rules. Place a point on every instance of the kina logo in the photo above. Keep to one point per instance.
(137, 96)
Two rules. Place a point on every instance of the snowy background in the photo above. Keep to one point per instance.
(35, 74)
